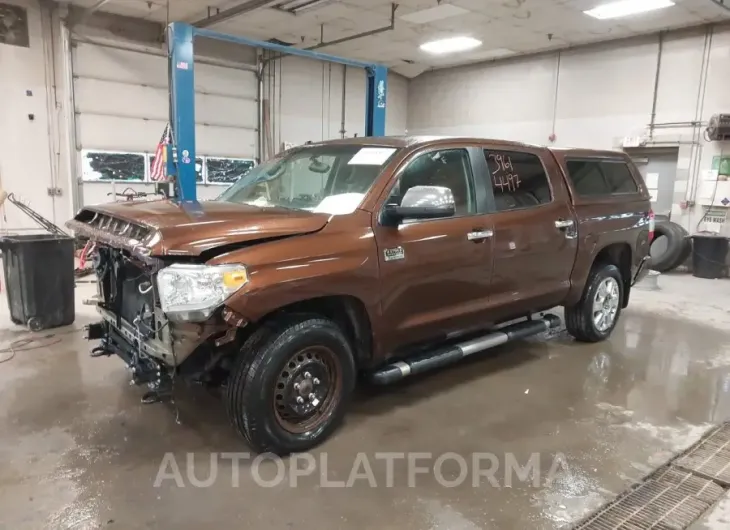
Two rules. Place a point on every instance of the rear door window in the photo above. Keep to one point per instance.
(619, 178)
(593, 178)
(518, 180)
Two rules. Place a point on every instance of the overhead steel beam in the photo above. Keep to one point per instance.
(78, 16)
(368, 33)
(722, 3)
(286, 50)
(231, 12)
(302, 5)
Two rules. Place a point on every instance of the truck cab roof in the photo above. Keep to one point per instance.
(427, 140)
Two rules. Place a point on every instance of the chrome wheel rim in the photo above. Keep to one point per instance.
(606, 304)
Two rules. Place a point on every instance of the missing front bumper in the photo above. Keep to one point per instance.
(171, 345)
(150, 346)
(144, 369)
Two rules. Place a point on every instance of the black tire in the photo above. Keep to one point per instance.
(676, 252)
(255, 396)
(686, 248)
(579, 317)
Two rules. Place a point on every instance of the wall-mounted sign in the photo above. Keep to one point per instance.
(722, 165)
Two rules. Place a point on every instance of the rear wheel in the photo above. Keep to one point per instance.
(595, 316)
(291, 384)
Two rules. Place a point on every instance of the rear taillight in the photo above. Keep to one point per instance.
(651, 226)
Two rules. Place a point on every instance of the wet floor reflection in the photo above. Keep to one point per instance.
(662, 370)
(79, 451)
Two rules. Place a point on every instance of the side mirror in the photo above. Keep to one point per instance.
(422, 202)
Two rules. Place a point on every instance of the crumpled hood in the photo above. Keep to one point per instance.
(193, 228)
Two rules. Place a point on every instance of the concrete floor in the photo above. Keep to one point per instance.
(78, 450)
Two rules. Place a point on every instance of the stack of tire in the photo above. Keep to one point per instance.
(671, 246)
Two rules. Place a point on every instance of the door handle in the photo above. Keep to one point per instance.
(564, 223)
(478, 235)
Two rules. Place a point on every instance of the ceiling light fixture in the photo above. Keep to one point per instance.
(450, 45)
(625, 8)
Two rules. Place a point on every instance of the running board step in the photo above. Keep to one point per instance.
(431, 360)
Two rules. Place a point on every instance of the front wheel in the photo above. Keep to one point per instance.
(595, 316)
(291, 384)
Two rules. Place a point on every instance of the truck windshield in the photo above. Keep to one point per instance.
(329, 179)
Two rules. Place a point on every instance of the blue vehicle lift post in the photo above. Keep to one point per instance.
(181, 64)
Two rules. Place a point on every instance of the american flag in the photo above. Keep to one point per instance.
(158, 170)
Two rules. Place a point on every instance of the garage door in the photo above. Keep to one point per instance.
(121, 104)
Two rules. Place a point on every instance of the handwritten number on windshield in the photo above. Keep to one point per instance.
(504, 175)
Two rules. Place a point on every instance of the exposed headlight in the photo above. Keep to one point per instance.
(192, 292)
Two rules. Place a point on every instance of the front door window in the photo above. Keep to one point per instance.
(449, 168)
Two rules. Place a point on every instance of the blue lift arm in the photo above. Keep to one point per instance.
(180, 38)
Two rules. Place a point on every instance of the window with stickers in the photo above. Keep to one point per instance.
(323, 178)
(518, 180)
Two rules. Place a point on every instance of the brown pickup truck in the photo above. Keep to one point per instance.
(383, 257)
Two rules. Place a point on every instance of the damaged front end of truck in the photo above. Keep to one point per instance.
(161, 306)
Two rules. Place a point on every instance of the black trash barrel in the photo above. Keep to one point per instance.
(709, 255)
(39, 279)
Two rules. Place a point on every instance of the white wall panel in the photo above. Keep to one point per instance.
(114, 88)
(605, 92)
(211, 79)
(226, 111)
(298, 101)
(226, 142)
(121, 100)
(150, 103)
(121, 65)
(716, 97)
(356, 97)
(615, 80)
(679, 78)
(27, 150)
(309, 107)
(491, 101)
(141, 136)
(396, 115)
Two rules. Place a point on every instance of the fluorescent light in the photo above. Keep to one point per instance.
(625, 8)
(450, 45)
